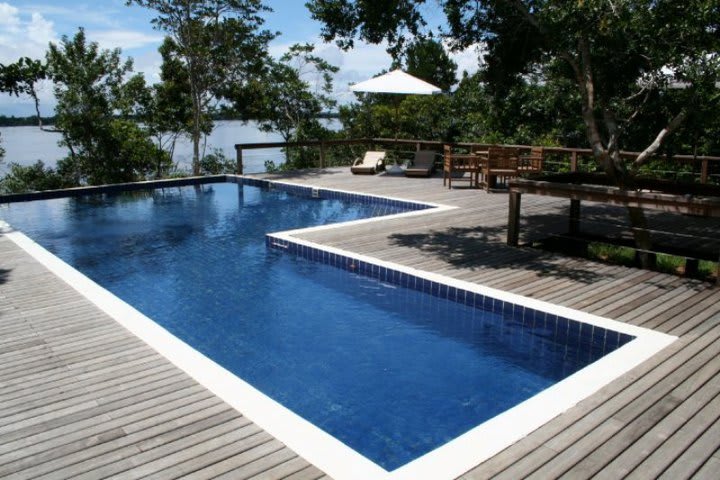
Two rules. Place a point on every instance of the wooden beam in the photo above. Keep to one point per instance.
(704, 206)
(513, 235)
(574, 224)
(239, 159)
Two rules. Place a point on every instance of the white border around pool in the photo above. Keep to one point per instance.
(321, 449)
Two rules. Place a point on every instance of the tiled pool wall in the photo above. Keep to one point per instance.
(325, 193)
(294, 189)
(114, 188)
(565, 330)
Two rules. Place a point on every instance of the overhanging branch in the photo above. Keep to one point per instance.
(655, 145)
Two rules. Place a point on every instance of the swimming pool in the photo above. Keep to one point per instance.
(355, 353)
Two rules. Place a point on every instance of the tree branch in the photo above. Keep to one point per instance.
(655, 145)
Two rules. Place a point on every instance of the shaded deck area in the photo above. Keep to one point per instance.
(81, 397)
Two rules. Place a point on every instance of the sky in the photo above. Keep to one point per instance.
(27, 26)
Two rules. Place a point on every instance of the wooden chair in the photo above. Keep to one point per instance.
(533, 162)
(501, 162)
(423, 164)
(459, 163)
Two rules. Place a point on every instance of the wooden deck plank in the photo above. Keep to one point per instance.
(671, 443)
(244, 451)
(163, 451)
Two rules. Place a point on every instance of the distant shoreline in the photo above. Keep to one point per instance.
(13, 121)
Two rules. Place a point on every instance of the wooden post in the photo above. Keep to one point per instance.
(513, 235)
(322, 154)
(238, 154)
(573, 162)
(574, 224)
(704, 171)
(418, 146)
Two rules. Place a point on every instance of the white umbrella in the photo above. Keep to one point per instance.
(396, 81)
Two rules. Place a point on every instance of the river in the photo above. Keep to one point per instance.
(26, 145)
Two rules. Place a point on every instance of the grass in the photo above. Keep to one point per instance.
(619, 255)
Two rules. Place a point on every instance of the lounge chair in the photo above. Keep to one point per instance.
(371, 163)
(423, 164)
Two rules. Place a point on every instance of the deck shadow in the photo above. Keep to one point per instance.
(483, 247)
(4, 274)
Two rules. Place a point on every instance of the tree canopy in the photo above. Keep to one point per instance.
(21, 78)
(427, 59)
(220, 45)
(97, 100)
(625, 58)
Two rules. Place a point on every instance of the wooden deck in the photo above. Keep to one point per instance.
(81, 397)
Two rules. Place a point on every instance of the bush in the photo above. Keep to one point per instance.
(33, 178)
(216, 163)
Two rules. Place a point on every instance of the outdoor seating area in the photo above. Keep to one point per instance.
(370, 164)
(488, 168)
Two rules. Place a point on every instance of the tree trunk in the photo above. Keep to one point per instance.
(195, 129)
(608, 156)
(643, 241)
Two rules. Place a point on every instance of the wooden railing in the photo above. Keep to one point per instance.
(574, 154)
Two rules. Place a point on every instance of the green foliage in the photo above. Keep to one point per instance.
(427, 60)
(296, 90)
(630, 72)
(371, 21)
(95, 110)
(217, 163)
(290, 99)
(21, 77)
(220, 47)
(32, 178)
(167, 108)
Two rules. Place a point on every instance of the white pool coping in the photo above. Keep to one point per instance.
(323, 450)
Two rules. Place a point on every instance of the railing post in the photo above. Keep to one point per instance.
(704, 171)
(573, 162)
(322, 154)
(513, 235)
(574, 224)
(238, 155)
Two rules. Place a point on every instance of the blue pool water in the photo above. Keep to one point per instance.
(391, 372)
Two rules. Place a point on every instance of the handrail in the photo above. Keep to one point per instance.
(574, 153)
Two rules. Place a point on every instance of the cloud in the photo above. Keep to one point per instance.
(467, 60)
(23, 36)
(124, 39)
(360, 63)
(9, 18)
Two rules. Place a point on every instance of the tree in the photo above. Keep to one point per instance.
(297, 89)
(220, 46)
(96, 106)
(427, 59)
(167, 108)
(619, 55)
(21, 78)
